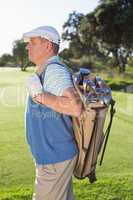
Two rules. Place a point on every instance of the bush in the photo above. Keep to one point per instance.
(130, 62)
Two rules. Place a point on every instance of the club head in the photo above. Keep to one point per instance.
(107, 99)
(98, 81)
(103, 91)
(107, 90)
(84, 71)
(89, 85)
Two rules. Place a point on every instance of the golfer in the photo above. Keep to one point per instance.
(51, 101)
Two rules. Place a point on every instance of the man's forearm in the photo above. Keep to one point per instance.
(60, 104)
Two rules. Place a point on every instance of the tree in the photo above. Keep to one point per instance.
(90, 36)
(6, 58)
(112, 25)
(105, 31)
(70, 33)
(81, 44)
(71, 26)
(20, 54)
(115, 27)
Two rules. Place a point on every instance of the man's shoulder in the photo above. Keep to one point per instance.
(57, 66)
(57, 78)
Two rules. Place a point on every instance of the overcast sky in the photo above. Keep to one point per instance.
(19, 16)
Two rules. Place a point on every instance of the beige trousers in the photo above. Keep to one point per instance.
(54, 181)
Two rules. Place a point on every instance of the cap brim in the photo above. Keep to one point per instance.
(28, 35)
(35, 33)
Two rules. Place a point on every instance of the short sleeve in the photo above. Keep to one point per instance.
(57, 79)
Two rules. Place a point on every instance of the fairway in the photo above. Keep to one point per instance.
(115, 176)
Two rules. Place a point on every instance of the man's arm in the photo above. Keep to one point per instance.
(69, 103)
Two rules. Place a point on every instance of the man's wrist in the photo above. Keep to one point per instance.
(39, 98)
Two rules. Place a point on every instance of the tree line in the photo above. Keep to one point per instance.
(105, 34)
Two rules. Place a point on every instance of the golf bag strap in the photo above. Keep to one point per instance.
(42, 75)
(112, 112)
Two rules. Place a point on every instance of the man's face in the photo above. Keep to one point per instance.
(37, 48)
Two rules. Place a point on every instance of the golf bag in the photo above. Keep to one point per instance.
(88, 128)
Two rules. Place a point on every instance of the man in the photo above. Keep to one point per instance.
(52, 99)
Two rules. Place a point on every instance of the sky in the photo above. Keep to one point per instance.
(19, 16)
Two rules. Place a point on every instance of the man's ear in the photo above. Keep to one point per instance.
(47, 46)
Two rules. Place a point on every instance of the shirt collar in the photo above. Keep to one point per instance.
(51, 59)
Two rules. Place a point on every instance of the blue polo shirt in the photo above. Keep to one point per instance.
(49, 133)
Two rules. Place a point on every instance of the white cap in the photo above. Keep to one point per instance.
(47, 32)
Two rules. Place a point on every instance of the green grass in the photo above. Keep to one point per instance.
(115, 176)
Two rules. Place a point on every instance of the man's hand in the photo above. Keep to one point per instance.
(34, 85)
(73, 102)
(69, 103)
